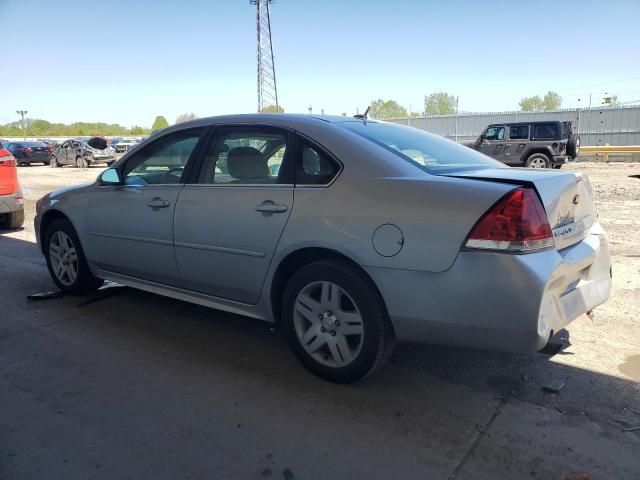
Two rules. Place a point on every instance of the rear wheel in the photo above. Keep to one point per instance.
(66, 261)
(336, 322)
(538, 160)
(13, 220)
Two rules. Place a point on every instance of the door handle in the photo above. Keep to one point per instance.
(158, 203)
(269, 207)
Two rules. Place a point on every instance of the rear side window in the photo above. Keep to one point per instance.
(519, 132)
(315, 166)
(545, 131)
(251, 155)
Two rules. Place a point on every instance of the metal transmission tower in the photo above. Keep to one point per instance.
(267, 91)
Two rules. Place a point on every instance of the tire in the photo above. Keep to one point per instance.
(558, 167)
(53, 162)
(573, 145)
(313, 317)
(538, 160)
(13, 220)
(70, 272)
(81, 162)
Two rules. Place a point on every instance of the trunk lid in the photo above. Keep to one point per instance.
(567, 198)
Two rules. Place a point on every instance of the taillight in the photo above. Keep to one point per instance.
(6, 159)
(27, 150)
(49, 148)
(516, 223)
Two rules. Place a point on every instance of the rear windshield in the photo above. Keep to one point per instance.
(430, 152)
(34, 144)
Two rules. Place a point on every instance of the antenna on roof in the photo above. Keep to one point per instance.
(363, 116)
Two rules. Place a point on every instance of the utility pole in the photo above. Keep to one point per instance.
(589, 122)
(267, 89)
(22, 113)
(457, 98)
(310, 109)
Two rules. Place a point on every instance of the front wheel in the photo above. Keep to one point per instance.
(53, 162)
(538, 160)
(66, 262)
(82, 162)
(336, 322)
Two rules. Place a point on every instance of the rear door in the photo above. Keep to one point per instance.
(229, 219)
(130, 226)
(493, 142)
(517, 144)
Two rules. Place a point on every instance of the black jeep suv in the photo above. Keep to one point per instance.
(529, 144)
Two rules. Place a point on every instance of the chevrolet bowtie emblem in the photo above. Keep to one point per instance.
(576, 199)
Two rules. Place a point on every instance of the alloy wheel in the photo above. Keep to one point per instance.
(328, 324)
(538, 162)
(64, 258)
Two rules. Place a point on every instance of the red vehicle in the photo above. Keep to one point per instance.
(11, 206)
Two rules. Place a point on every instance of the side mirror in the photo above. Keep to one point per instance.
(110, 176)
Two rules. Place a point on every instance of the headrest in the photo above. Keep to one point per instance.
(246, 163)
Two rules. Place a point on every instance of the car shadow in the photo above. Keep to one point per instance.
(210, 340)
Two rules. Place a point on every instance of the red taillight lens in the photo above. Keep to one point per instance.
(517, 223)
(6, 159)
(49, 148)
(27, 150)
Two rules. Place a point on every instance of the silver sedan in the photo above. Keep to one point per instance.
(348, 233)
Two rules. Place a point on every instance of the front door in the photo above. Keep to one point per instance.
(493, 142)
(229, 220)
(130, 226)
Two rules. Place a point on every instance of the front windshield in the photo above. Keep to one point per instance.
(430, 152)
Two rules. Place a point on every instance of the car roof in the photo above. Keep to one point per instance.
(537, 122)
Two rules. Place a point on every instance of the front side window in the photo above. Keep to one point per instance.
(494, 133)
(519, 132)
(163, 161)
(545, 131)
(430, 152)
(245, 155)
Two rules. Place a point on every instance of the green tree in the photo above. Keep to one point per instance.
(137, 130)
(272, 109)
(551, 101)
(159, 123)
(440, 103)
(382, 109)
(185, 117)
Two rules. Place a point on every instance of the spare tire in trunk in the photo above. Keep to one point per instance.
(97, 142)
(573, 145)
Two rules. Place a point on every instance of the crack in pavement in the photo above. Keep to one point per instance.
(465, 458)
(44, 325)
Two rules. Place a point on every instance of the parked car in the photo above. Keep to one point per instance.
(394, 233)
(30, 152)
(11, 206)
(81, 153)
(125, 144)
(113, 141)
(529, 144)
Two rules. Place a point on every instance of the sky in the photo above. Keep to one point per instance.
(126, 61)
